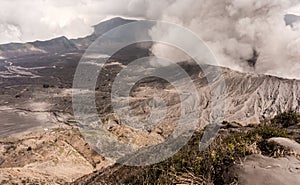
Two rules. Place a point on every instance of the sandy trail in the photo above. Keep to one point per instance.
(13, 71)
(14, 121)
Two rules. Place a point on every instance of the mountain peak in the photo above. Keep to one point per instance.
(112, 20)
(107, 25)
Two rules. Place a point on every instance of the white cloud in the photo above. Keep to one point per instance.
(45, 19)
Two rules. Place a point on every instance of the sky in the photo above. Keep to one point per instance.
(29, 20)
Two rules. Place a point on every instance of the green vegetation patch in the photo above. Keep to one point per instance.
(215, 164)
(286, 119)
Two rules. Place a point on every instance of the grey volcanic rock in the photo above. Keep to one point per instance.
(290, 19)
(288, 143)
(263, 170)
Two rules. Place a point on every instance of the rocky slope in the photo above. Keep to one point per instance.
(36, 86)
(255, 97)
(249, 99)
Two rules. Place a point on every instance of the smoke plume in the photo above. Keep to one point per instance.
(245, 35)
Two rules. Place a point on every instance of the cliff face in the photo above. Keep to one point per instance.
(253, 97)
(248, 98)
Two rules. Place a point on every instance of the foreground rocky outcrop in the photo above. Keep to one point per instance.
(239, 155)
(51, 156)
(258, 169)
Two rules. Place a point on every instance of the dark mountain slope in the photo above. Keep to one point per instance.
(60, 44)
(57, 45)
